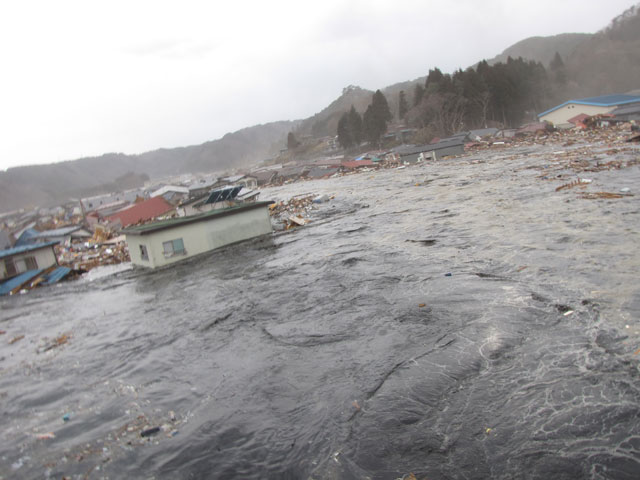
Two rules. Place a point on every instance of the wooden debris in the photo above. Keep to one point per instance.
(56, 342)
(606, 195)
(16, 339)
(298, 220)
(575, 183)
(291, 213)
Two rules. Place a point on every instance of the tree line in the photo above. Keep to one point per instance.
(371, 126)
(504, 94)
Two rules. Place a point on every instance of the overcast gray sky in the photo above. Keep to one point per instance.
(83, 78)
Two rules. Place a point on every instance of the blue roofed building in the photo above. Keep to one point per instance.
(560, 114)
(17, 260)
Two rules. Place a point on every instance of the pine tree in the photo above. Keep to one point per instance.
(291, 141)
(376, 117)
(403, 107)
(558, 70)
(354, 125)
(344, 136)
(434, 81)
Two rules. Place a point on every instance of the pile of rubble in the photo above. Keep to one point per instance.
(82, 258)
(615, 134)
(294, 212)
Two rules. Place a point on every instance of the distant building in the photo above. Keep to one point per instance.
(264, 177)
(201, 187)
(171, 193)
(61, 235)
(357, 164)
(162, 243)
(94, 203)
(627, 113)
(291, 173)
(416, 153)
(17, 260)
(249, 181)
(560, 114)
(321, 172)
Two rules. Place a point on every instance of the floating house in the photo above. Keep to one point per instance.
(416, 153)
(162, 243)
(17, 260)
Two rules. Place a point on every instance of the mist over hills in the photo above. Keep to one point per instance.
(55, 183)
(605, 62)
(543, 49)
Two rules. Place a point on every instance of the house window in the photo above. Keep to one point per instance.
(173, 247)
(10, 267)
(21, 265)
(31, 263)
(144, 255)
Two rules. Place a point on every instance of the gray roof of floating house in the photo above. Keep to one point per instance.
(201, 217)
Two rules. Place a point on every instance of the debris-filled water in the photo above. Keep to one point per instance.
(461, 319)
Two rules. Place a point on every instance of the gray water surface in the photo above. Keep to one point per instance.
(456, 320)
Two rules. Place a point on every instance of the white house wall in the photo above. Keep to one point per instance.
(563, 114)
(200, 237)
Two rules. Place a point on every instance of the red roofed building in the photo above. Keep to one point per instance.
(358, 164)
(578, 120)
(140, 212)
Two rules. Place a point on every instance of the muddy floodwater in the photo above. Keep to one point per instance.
(462, 319)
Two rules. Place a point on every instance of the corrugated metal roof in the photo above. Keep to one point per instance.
(169, 188)
(25, 248)
(57, 275)
(15, 282)
(322, 172)
(601, 101)
(146, 210)
(632, 108)
(59, 232)
(26, 237)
